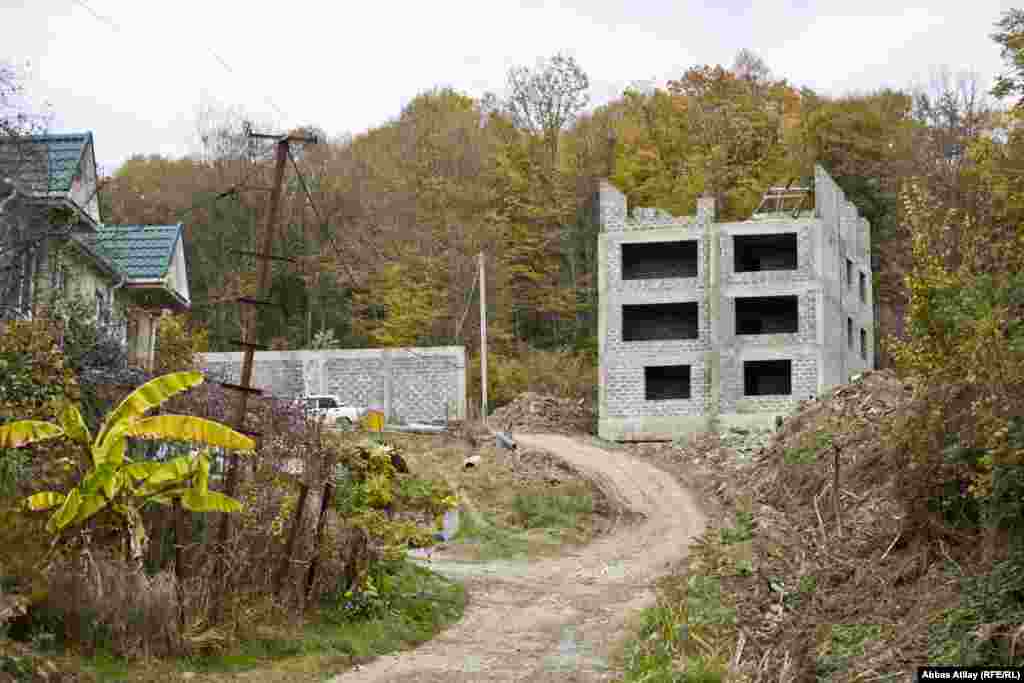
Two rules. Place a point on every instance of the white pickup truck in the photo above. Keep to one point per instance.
(331, 410)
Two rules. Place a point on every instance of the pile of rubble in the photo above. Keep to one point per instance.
(536, 413)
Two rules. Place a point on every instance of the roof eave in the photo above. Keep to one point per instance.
(157, 283)
(96, 257)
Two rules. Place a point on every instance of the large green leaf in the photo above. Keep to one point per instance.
(148, 396)
(24, 432)
(74, 425)
(65, 514)
(44, 500)
(203, 472)
(99, 479)
(188, 428)
(111, 450)
(89, 507)
(211, 501)
(178, 469)
(168, 497)
(141, 470)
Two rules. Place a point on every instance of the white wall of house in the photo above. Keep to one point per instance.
(177, 275)
(83, 188)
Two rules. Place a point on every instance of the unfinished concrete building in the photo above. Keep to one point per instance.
(707, 325)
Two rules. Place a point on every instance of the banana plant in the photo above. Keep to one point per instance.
(116, 481)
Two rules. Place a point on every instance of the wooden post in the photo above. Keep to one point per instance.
(179, 557)
(324, 505)
(835, 491)
(483, 343)
(282, 572)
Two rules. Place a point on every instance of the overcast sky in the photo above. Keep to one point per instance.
(138, 75)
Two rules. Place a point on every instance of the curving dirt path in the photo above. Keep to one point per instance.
(557, 619)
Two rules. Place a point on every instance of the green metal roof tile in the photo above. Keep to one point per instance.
(46, 163)
(141, 252)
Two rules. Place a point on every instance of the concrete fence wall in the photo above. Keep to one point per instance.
(410, 384)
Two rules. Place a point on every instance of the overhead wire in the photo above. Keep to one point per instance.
(223, 62)
(234, 189)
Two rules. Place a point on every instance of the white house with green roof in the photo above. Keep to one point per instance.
(131, 274)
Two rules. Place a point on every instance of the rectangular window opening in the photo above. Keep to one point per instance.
(863, 288)
(863, 344)
(665, 382)
(767, 377)
(767, 315)
(849, 333)
(753, 253)
(652, 260)
(654, 322)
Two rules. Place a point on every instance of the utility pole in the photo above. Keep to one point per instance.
(248, 316)
(483, 343)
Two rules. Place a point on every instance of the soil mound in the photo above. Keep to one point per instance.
(540, 413)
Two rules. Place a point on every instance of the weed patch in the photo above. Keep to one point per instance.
(536, 510)
(742, 531)
(807, 453)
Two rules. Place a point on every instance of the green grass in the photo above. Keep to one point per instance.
(742, 531)
(540, 511)
(493, 541)
(846, 642)
(996, 597)
(806, 455)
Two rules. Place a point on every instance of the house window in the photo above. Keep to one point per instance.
(650, 322)
(665, 382)
(849, 273)
(767, 377)
(753, 253)
(849, 333)
(863, 343)
(767, 315)
(863, 288)
(650, 260)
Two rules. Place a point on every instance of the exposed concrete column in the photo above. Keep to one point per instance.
(611, 206)
(713, 289)
(705, 210)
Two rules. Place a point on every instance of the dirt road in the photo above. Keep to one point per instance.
(557, 619)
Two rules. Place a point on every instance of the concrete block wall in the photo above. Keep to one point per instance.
(411, 385)
(818, 351)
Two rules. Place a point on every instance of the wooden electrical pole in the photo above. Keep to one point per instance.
(483, 343)
(248, 316)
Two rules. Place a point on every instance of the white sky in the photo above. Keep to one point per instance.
(348, 66)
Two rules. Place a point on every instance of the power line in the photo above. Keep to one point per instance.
(469, 301)
(117, 27)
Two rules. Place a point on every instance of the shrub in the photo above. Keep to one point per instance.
(178, 343)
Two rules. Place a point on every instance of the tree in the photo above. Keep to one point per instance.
(1010, 37)
(113, 481)
(546, 99)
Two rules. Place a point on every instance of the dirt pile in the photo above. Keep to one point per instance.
(814, 582)
(539, 413)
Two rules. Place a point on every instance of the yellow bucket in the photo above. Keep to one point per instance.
(373, 420)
